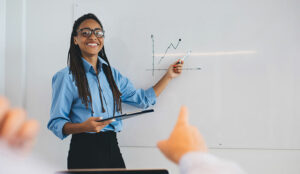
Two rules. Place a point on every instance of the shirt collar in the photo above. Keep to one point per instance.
(89, 68)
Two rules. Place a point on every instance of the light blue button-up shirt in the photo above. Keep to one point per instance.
(67, 106)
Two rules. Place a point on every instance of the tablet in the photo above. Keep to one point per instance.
(128, 115)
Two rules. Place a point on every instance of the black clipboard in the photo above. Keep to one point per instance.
(128, 115)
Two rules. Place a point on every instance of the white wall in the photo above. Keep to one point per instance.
(48, 37)
(2, 44)
(15, 52)
(256, 161)
(47, 33)
(244, 93)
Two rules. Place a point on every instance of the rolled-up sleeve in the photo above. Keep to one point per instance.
(130, 95)
(62, 98)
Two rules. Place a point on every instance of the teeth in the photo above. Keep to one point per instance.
(92, 44)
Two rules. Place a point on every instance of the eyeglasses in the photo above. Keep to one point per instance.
(87, 32)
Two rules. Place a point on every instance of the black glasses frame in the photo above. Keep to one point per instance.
(92, 31)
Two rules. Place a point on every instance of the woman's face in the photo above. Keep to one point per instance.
(89, 44)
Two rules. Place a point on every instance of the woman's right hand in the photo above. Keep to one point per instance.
(91, 124)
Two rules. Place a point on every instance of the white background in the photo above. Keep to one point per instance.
(2, 44)
(245, 105)
(246, 98)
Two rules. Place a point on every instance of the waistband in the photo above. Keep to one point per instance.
(98, 134)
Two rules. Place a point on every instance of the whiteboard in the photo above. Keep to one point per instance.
(241, 82)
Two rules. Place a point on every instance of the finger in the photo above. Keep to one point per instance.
(12, 122)
(4, 106)
(179, 68)
(179, 62)
(104, 123)
(162, 145)
(179, 65)
(199, 140)
(174, 67)
(195, 133)
(99, 128)
(183, 116)
(29, 130)
(26, 135)
(108, 121)
(96, 118)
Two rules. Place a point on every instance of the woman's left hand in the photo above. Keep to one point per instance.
(175, 69)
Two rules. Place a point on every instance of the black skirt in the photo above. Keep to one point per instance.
(95, 150)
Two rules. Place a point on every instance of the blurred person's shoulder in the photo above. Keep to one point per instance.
(13, 161)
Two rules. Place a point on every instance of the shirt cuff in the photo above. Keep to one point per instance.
(150, 93)
(58, 129)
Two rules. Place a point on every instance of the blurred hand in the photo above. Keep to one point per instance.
(183, 139)
(175, 69)
(15, 129)
(91, 124)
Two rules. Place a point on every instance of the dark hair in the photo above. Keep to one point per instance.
(76, 68)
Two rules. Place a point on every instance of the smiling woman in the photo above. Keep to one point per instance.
(89, 90)
(90, 40)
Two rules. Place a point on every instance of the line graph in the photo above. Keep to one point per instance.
(166, 54)
(216, 53)
(171, 45)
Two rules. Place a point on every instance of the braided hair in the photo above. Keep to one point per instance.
(76, 68)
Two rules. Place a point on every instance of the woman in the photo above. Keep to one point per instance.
(89, 89)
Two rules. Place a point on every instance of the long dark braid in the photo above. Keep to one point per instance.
(113, 86)
(77, 70)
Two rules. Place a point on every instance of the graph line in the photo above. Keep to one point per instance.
(164, 69)
(171, 45)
